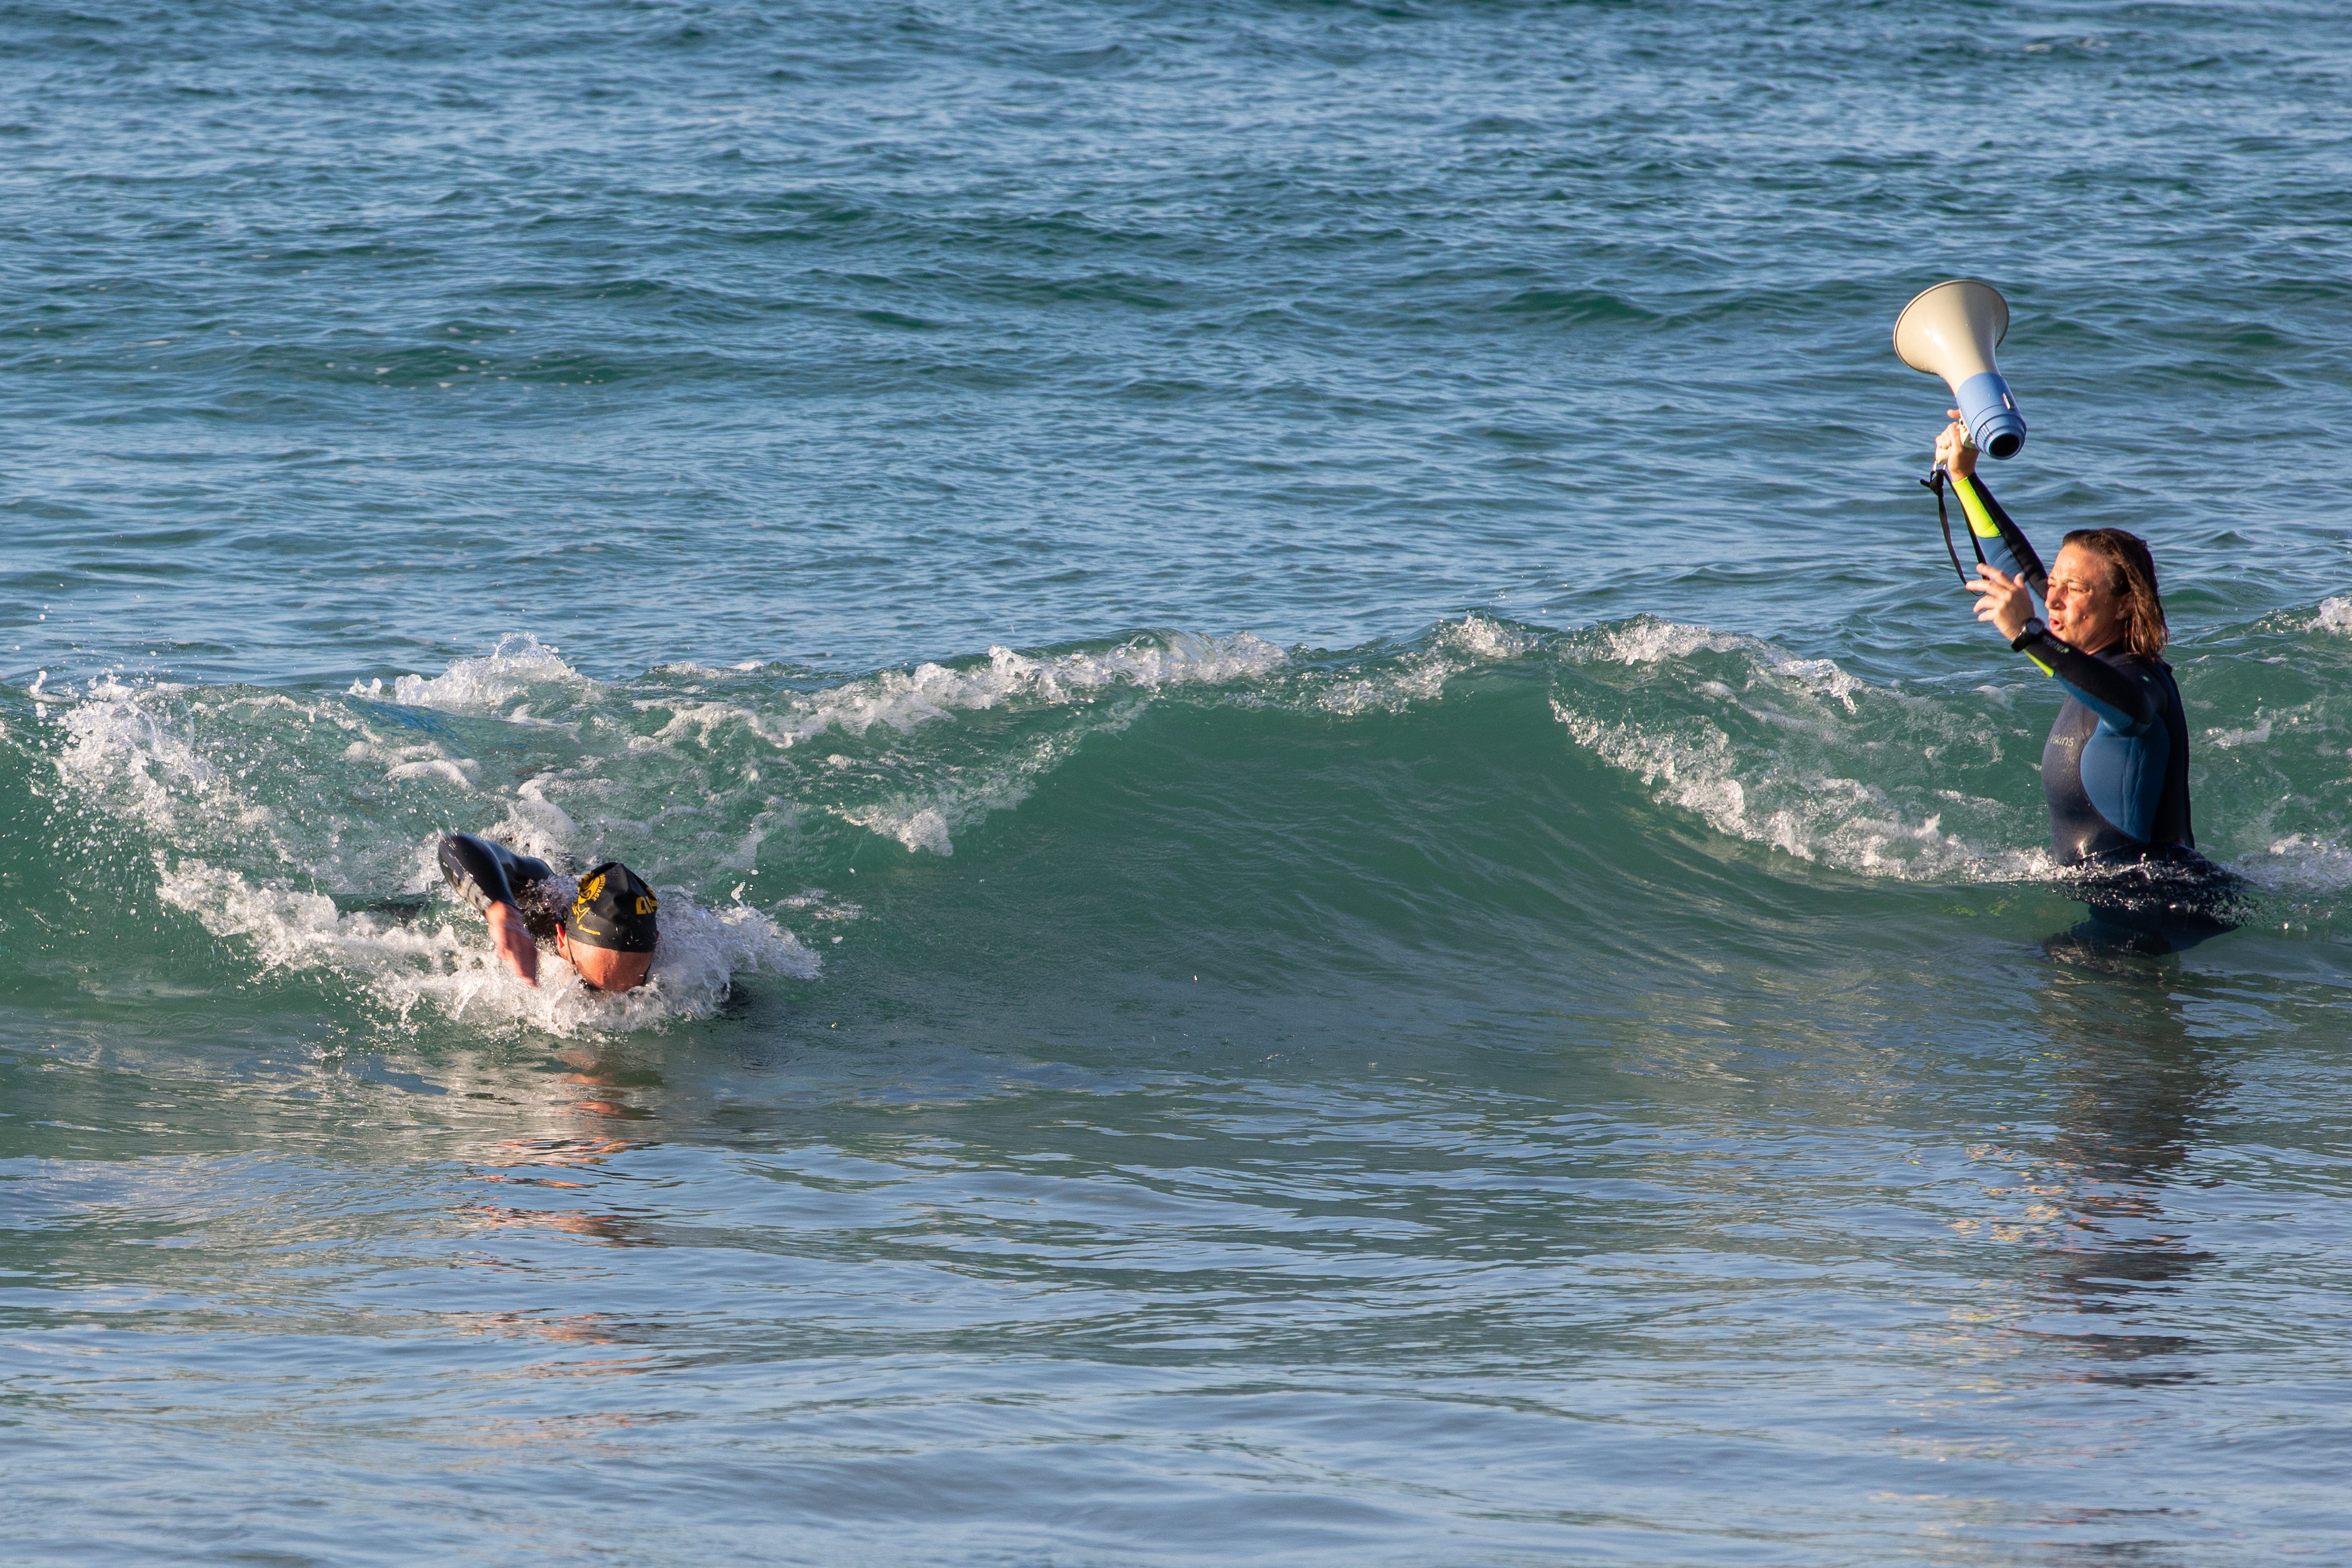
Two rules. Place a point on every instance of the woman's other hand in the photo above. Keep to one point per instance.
(2001, 600)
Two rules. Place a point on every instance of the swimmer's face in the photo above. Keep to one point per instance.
(602, 969)
(2085, 600)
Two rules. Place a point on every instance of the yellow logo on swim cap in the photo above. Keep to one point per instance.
(645, 905)
(588, 891)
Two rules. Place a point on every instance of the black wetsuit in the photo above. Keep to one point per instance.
(2115, 769)
(484, 873)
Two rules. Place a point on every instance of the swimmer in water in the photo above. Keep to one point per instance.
(607, 932)
(2116, 767)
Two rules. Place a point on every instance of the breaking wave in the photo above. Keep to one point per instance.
(298, 825)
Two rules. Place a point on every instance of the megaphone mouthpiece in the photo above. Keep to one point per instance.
(1991, 414)
(1950, 330)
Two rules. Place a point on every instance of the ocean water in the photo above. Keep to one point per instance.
(1342, 880)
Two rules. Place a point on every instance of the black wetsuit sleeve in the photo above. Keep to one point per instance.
(2128, 702)
(1999, 538)
(475, 870)
(2124, 700)
(483, 873)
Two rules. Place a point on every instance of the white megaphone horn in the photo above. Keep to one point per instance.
(1950, 332)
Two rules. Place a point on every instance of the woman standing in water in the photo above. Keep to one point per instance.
(2116, 767)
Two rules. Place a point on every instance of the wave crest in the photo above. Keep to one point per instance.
(1797, 755)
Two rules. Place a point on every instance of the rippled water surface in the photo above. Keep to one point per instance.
(1338, 886)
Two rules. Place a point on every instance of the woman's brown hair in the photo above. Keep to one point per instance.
(2134, 571)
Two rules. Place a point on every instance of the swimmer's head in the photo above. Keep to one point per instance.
(608, 933)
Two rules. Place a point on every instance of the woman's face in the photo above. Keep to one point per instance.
(2086, 609)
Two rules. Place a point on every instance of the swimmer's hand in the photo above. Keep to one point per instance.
(1955, 453)
(512, 940)
(2002, 600)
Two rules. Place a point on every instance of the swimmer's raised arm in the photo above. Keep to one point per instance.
(477, 871)
(512, 940)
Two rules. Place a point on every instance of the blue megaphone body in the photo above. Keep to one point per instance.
(1950, 330)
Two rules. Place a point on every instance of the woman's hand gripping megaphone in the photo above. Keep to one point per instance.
(1955, 454)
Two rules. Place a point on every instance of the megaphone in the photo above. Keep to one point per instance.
(1950, 330)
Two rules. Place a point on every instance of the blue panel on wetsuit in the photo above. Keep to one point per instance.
(2123, 776)
(2116, 787)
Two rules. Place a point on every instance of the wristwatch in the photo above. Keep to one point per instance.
(2032, 628)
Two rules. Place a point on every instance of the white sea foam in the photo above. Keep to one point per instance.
(535, 824)
(917, 826)
(1780, 786)
(1422, 678)
(929, 822)
(924, 815)
(1648, 640)
(1483, 639)
(2300, 864)
(121, 748)
(2334, 615)
(903, 699)
(899, 700)
(1456, 646)
(460, 771)
(819, 903)
(1816, 817)
(482, 686)
(207, 771)
(2230, 739)
(1821, 675)
(775, 817)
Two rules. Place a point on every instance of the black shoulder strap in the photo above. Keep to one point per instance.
(1935, 481)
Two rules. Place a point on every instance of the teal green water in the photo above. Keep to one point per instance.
(1338, 885)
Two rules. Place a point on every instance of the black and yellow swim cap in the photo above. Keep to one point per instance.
(614, 909)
